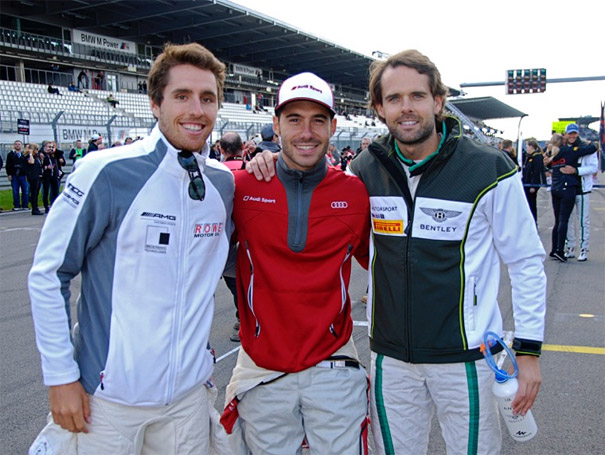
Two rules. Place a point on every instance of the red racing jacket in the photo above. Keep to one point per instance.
(297, 235)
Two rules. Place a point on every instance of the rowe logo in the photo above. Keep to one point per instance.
(339, 204)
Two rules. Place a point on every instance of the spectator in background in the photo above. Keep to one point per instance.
(83, 79)
(232, 156)
(99, 81)
(72, 87)
(111, 100)
(586, 167)
(365, 143)
(34, 175)
(565, 185)
(507, 147)
(533, 174)
(15, 170)
(231, 148)
(93, 144)
(128, 140)
(270, 140)
(333, 155)
(50, 175)
(53, 90)
(117, 144)
(215, 151)
(77, 152)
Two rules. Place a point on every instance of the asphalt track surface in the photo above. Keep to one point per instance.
(570, 411)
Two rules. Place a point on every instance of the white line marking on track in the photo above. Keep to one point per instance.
(227, 354)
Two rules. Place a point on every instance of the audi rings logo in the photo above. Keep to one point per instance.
(339, 204)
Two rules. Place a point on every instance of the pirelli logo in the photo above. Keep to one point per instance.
(389, 227)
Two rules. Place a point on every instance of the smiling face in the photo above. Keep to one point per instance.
(572, 137)
(189, 107)
(409, 108)
(305, 128)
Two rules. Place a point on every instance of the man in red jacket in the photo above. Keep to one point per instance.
(298, 373)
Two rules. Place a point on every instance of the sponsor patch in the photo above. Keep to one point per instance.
(389, 215)
(439, 219)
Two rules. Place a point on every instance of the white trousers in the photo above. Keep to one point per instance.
(186, 427)
(582, 214)
(403, 396)
(328, 406)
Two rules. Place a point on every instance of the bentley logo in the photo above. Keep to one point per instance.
(440, 215)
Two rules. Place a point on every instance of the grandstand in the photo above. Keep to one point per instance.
(41, 43)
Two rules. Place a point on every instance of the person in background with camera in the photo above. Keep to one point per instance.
(33, 169)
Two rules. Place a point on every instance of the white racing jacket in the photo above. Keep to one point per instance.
(150, 259)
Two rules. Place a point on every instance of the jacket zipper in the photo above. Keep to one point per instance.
(250, 294)
(181, 265)
(297, 232)
(343, 287)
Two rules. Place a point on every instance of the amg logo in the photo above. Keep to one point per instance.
(161, 216)
(70, 198)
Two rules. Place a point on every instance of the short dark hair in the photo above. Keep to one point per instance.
(185, 54)
(412, 59)
(231, 143)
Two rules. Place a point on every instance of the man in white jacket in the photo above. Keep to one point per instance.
(587, 166)
(147, 226)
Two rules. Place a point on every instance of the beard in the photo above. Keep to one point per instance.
(422, 135)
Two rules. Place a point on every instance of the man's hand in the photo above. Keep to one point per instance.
(70, 407)
(529, 379)
(569, 170)
(263, 165)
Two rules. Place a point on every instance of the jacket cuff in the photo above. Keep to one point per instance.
(527, 347)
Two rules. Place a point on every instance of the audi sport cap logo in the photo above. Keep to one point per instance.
(305, 87)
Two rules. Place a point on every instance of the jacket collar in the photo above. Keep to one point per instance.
(452, 133)
(311, 177)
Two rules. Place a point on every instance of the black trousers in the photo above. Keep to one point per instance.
(562, 203)
(34, 191)
(532, 199)
(50, 186)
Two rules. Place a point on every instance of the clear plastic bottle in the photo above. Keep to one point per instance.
(521, 428)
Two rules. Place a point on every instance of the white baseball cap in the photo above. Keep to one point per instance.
(306, 87)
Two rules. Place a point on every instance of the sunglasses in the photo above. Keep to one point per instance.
(197, 188)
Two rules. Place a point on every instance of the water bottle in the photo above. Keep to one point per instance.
(521, 428)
